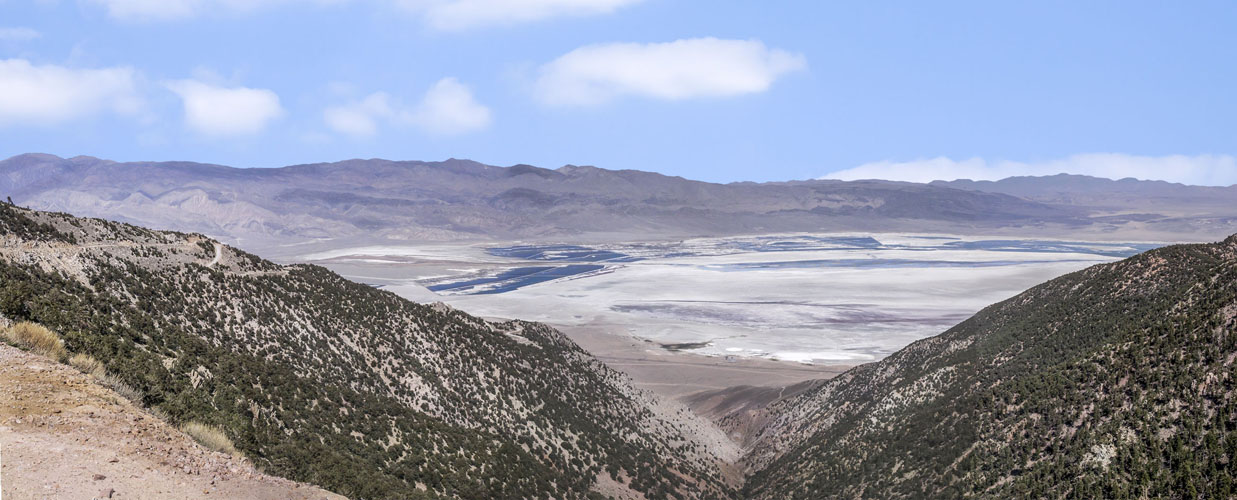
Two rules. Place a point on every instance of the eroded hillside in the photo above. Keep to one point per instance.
(322, 380)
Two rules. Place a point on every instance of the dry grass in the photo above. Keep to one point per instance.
(36, 338)
(158, 413)
(124, 390)
(210, 436)
(88, 365)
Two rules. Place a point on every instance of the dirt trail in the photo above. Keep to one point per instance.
(218, 255)
(64, 436)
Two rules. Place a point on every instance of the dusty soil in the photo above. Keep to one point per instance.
(62, 435)
(678, 374)
(737, 410)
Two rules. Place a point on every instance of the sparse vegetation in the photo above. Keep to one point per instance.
(1112, 382)
(319, 379)
(210, 436)
(119, 386)
(87, 364)
(36, 338)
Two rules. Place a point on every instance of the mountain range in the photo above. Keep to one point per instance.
(376, 201)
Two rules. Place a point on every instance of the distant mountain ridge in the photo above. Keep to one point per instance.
(381, 200)
(1077, 183)
(1128, 194)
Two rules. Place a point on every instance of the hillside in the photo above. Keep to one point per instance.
(1112, 382)
(322, 380)
(65, 436)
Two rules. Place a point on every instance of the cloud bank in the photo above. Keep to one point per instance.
(171, 10)
(442, 15)
(683, 69)
(359, 119)
(226, 111)
(166, 10)
(1202, 170)
(448, 108)
(18, 34)
(458, 15)
(50, 94)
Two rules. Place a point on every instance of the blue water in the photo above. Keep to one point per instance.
(559, 253)
(804, 243)
(515, 279)
(593, 259)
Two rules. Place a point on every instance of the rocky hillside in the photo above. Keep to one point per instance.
(321, 380)
(1117, 381)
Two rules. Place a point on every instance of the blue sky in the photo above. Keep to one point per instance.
(713, 90)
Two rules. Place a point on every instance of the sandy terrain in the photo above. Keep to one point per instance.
(64, 436)
(680, 374)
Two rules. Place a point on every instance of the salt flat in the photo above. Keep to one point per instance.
(809, 299)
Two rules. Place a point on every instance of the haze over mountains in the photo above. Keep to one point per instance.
(358, 201)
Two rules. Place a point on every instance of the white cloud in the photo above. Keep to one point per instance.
(168, 10)
(49, 94)
(18, 34)
(223, 111)
(448, 108)
(443, 15)
(683, 69)
(1205, 170)
(454, 15)
(359, 119)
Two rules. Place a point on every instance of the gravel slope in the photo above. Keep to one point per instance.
(62, 435)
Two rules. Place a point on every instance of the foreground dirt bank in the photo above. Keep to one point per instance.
(64, 436)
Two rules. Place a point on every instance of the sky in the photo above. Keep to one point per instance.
(716, 90)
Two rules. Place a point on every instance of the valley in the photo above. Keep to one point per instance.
(480, 358)
(683, 316)
(617, 250)
(347, 385)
